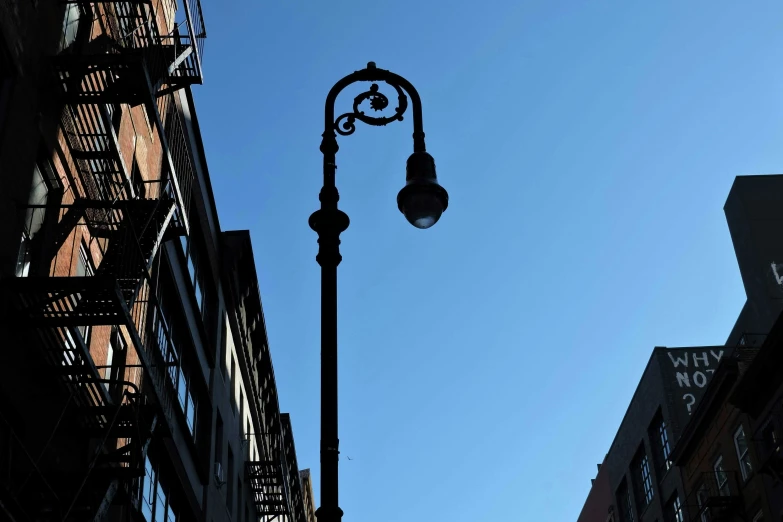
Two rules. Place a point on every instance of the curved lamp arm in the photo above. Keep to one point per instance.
(422, 200)
(345, 123)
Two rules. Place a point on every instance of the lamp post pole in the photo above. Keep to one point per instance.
(422, 201)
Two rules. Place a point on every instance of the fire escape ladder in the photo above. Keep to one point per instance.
(92, 140)
(268, 480)
(121, 433)
(131, 55)
(135, 244)
(716, 497)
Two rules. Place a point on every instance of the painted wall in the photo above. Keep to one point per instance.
(685, 373)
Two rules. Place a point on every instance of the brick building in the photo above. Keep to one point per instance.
(597, 507)
(136, 381)
(759, 395)
(309, 498)
(643, 483)
(716, 455)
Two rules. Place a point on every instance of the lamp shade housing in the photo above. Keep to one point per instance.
(422, 200)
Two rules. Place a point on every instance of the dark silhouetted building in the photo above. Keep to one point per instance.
(597, 507)
(715, 454)
(645, 484)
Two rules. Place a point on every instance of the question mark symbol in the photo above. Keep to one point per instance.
(692, 401)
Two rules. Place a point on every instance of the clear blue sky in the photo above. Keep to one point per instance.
(588, 149)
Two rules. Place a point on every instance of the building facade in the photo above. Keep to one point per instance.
(645, 483)
(597, 507)
(716, 454)
(642, 480)
(759, 395)
(136, 381)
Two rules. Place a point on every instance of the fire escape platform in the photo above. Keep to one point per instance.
(103, 78)
(68, 301)
(266, 481)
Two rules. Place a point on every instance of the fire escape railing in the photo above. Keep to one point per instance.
(768, 440)
(267, 475)
(716, 495)
(113, 53)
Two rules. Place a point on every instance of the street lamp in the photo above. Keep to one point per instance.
(422, 200)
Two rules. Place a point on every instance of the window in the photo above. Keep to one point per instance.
(642, 479)
(241, 408)
(194, 270)
(114, 352)
(223, 347)
(659, 438)
(721, 478)
(702, 494)
(171, 343)
(239, 498)
(741, 445)
(219, 440)
(233, 385)
(674, 510)
(230, 481)
(33, 220)
(155, 504)
(231, 369)
(646, 479)
(625, 503)
(84, 269)
(70, 25)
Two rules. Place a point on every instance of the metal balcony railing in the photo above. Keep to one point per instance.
(127, 52)
(768, 440)
(715, 496)
(268, 475)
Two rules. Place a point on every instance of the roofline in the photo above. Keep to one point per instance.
(202, 156)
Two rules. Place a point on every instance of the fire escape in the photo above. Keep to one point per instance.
(716, 498)
(118, 55)
(268, 474)
(769, 447)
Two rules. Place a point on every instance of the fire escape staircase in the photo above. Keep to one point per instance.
(769, 446)
(131, 63)
(716, 498)
(132, 59)
(268, 476)
(268, 485)
(112, 412)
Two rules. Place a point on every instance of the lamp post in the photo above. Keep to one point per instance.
(422, 200)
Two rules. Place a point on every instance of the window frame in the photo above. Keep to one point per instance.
(84, 258)
(194, 270)
(152, 488)
(647, 482)
(663, 438)
(625, 502)
(704, 514)
(180, 376)
(743, 457)
(720, 472)
(677, 509)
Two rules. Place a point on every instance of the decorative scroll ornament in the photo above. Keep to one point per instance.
(345, 124)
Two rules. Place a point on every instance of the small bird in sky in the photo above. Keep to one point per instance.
(349, 458)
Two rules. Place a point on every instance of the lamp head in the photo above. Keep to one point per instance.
(422, 200)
